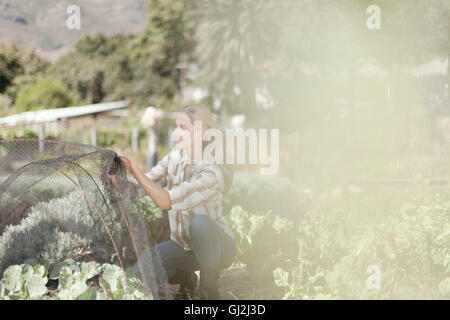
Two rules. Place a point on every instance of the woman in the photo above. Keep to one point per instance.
(200, 238)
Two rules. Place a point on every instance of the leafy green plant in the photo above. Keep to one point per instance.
(411, 251)
(150, 209)
(114, 283)
(408, 254)
(76, 281)
(296, 284)
(322, 239)
(263, 241)
(23, 281)
(73, 279)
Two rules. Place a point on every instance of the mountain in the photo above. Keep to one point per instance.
(42, 23)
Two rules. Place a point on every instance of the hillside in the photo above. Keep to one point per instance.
(42, 23)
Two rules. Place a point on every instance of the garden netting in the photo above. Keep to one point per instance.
(61, 200)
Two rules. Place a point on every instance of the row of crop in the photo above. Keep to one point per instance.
(62, 226)
(69, 280)
(355, 248)
(326, 255)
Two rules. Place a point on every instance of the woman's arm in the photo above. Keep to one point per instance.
(158, 194)
(158, 174)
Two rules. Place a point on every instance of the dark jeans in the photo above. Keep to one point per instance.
(213, 250)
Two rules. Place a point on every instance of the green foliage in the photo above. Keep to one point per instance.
(46, 191)
(23, 133)
(108, 138)
(111, 138)
(153, 216)
(9, 67)
(18, 68)
(322, 240)
(72, 281)
(234, 40)
(284, 50)
(23, 282)
(97, 45)
(149, 208)
(42, 235)
(5, 105)
(43, 94)
(264, 241)
(113, 282)
(409, 252)
(91, 70)
(258, 193)
(76, 281)
(142, 66)
(165, 42)
(16, 62)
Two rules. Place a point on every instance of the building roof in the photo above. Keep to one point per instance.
(51, 115)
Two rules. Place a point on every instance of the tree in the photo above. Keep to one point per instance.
(302, 51)
(236, 42)
(156, 52)
(9, 67)
(93, 69)
(15, 62)
(143, 66)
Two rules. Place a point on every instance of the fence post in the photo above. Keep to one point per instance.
(153, 132)
(94, 135)
(134, 139)
(41, 138)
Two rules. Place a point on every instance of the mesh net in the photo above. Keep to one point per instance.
(62, 200)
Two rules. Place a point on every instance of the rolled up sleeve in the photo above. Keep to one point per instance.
(191, 193)
(158, 174)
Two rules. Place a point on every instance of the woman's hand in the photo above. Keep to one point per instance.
(127, 162)
(158, 194)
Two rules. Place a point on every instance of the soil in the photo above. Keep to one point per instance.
(236, 284)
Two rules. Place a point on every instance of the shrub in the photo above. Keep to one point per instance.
(43, 93)
(40, 238)
(108, 138)
(48, 191)
(256, 193)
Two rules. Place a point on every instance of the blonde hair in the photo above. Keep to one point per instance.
(199, 112)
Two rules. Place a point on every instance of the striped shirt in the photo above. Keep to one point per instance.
(200, 193)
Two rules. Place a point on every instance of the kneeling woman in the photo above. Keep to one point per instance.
(200, 238)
